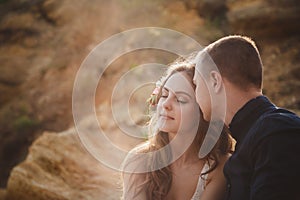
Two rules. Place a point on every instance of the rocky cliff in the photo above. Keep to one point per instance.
(58, 167)
(268, 19)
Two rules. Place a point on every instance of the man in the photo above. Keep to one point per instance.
(266, 162)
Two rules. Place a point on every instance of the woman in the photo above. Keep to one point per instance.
(174, 170)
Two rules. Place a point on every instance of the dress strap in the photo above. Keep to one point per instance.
(201, 183)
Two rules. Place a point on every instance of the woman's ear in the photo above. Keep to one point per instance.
(216, 81)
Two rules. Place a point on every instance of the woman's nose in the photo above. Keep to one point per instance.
(167, 104)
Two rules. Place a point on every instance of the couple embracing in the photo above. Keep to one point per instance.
(223, 82)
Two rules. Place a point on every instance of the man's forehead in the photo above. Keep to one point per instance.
(201, 59)
(204, 63)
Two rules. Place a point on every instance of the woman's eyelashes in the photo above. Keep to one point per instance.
(181, 100)
(164, 94)
(178, 99)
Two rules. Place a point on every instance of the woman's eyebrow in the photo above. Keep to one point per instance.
(164, 88)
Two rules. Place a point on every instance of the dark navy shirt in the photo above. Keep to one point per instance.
(266, 162)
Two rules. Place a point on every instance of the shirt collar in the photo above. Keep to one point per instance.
(247, 115)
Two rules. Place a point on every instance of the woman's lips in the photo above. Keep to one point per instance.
(167, 117)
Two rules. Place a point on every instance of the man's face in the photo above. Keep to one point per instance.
(202, 93)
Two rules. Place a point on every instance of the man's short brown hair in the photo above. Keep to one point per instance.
(238, 60)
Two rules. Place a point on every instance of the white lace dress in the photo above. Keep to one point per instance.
(130, 191)
(201, 183)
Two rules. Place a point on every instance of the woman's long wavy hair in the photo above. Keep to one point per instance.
(158, 182)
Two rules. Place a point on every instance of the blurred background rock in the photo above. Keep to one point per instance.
(43, 43)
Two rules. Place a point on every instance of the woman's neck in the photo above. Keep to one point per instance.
(189, 156)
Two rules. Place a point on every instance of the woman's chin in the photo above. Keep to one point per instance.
(164, 129)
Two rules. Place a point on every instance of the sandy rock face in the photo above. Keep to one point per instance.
(59, 168)
(2, 194)
(265, 18)
(208, 8)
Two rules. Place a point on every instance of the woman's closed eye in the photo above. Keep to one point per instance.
(164, 95)
(181, 100)
(177, 99)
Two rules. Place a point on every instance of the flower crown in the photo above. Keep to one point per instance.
(154, 95)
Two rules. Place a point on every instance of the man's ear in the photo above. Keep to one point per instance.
(216, 81)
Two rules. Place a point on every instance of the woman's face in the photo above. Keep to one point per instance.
(177, 108)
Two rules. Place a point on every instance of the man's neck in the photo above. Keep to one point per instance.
(236, 99)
